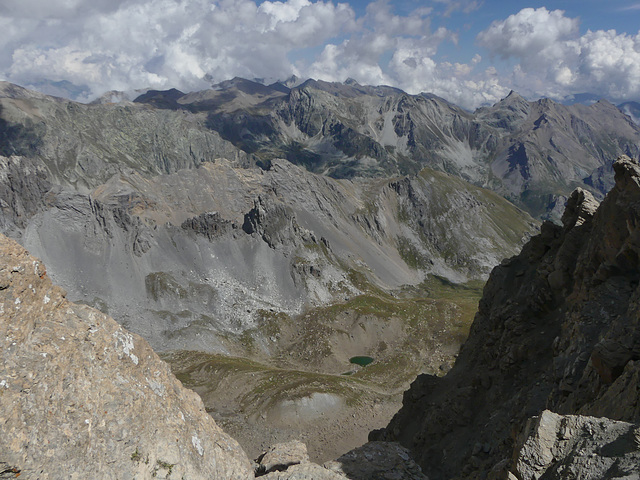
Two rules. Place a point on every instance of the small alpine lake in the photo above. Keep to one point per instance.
(361, 360)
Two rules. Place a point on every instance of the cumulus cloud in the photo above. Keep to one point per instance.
(187, 44)
(104, 45)
(554, 59)
(529, 34)
(411, 46)
(161, 43)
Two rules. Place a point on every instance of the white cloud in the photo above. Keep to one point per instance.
(555, 60)
(128, 44)
(529, 33)
(162, 43)
(411, 46)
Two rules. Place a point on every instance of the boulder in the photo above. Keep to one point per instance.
(307, 471)
(283, 455)
(377, 460)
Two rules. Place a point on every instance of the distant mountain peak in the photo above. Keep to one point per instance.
(513, 97)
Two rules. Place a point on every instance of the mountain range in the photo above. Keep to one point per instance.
(149, 212)
(533, 153)
(270, 234)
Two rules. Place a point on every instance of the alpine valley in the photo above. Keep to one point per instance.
(298, 255)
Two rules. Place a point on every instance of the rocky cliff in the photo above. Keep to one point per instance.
(557, 328)
(80, 397)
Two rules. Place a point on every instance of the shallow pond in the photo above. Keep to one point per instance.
(362, 361)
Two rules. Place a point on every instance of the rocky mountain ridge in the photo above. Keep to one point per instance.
(153, 217)
(556, 329)
(533, 153)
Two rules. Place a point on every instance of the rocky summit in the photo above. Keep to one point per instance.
(557, 329)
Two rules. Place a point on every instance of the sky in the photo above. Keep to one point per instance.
(470, 52)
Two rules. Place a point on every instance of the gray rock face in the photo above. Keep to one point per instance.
(23, 188)
(557, 328)
(556, 447)
(80, 397)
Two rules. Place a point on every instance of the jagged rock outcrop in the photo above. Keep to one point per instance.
(209, 224)
(80, 397)
(23, 189)
(556, 447)
(276, 224)
(557, 328)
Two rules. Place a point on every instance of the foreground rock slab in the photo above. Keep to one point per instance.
(281, 456)
(556, 447)
(80, 397)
